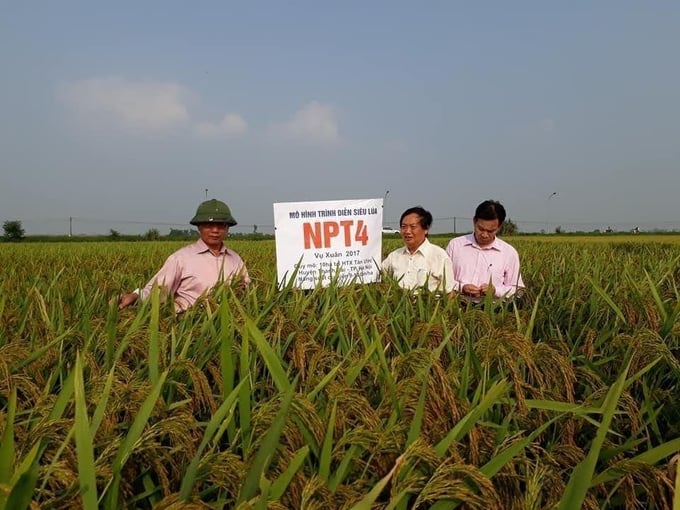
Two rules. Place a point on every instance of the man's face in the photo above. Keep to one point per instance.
(411, 231)
(213, 234)
(485, 231)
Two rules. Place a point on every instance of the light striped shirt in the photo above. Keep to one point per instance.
(497, 263)
(193, 271)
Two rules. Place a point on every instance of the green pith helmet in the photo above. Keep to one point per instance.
(213, 211)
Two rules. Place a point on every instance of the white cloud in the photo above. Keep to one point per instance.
(139, 106)
(314, 123)
(232, 124)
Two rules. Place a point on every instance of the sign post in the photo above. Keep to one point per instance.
(331, 241)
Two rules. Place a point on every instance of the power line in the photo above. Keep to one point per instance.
(73, 223)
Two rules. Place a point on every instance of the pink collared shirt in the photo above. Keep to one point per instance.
(192, 271)
(498, 263)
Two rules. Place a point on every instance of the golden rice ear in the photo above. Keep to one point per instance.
(673, 467)
(459, 482)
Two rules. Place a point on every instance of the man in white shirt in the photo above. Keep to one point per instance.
(419, 263)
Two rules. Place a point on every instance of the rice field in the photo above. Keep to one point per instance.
(359, 397)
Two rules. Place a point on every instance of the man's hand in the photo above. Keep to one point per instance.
(485, 287)
(125, 300)
(471, 290)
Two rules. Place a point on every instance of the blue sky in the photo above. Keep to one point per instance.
(121, 114)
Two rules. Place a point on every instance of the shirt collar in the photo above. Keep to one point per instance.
(470, 241)
(423, 248)
(201, 247)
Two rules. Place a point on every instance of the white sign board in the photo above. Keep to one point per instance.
(335, 240)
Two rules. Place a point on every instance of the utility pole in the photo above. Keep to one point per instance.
(547, 210)
(387, 192)
(206, 193)
(70, 226)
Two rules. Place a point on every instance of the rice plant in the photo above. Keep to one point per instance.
(345, 397)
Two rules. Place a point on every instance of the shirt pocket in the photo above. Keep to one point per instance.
(428, 278)
(497, 275)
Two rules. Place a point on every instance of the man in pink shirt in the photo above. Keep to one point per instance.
(192, 271)
(483, 262)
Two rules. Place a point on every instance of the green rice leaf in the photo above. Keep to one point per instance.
(608, 300)
(127, 447)
(215, 425)
(279, 486)
(98, 415)
(581, 478)
(270, 357)
(7, 444)
(154, 349)
(327, 447)
(651, 456)
(23, 482)
(366, 503)
(417, 422)
(267, 448)
(84, 447)
(492, 397)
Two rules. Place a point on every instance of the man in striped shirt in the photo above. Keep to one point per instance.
(191, 272)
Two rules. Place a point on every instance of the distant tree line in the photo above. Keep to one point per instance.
(14, 232)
